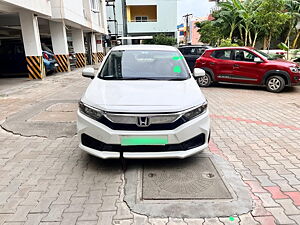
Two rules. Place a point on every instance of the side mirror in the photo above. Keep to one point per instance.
(258, 60)
(88, 72)
(199, 72)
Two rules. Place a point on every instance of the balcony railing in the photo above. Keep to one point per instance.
(139, 21)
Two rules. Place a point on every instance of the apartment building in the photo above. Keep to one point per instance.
(61, 25)
(144, 18)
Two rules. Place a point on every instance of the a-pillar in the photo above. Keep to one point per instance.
(32, 45)
(100, 50)
(60, 45)
(94, 49)
(79, 48)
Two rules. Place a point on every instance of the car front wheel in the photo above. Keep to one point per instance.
(204, 81)
(275, 84)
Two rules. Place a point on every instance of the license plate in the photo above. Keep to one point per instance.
(143, 140)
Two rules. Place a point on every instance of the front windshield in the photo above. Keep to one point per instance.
(264, 55)
(144, 64)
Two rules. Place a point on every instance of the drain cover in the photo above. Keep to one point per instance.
(191, 179)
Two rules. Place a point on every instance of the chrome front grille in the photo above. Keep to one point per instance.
(132, 118)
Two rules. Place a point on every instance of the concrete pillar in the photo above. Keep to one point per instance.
(32, 45)
(60, 45)
(94, 49)
(79, 48)
(100, 50)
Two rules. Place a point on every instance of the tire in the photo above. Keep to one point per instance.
(275, 84)
(204, 81)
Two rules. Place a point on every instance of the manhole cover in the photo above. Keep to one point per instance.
(191, 179)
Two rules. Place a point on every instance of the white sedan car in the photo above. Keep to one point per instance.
(143, 103)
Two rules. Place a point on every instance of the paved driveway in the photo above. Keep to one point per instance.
(46, 179)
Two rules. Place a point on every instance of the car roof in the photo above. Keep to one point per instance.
(230, 48)
(195, 46)
(144, 47)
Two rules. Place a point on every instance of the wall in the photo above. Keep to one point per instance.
(38, 6)
(166, 18)
(146, 10)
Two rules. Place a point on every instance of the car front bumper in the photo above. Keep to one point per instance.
(111, 139)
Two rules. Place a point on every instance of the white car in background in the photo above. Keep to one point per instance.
(143, 103)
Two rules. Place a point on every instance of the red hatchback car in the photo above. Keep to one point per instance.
(247, 66)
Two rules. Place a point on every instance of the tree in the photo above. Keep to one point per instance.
(161, 39)
(271, 17)
(293, 11)
(229, 15)
(210, 32)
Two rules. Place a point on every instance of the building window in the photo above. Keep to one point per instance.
(95, 5)
(141, 19)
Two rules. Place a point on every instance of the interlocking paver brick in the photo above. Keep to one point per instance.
(289, 207)
(20, 215)
(43, 205)
(292, 180)
(123, 212)
(276, 192)
(32, 198)
(159, 221)
(265, 181)
(69, 218)
(267, 200)
(247, 219)
(284, 185)
(105, 218)
(176, 221)
(34, 219)
(266, 220)
(11, 205)
(212, 221)
(296, 218)
(63, 197)
(90, 212)
(273, 175)
(295, 196)
(280, 216)
(140, 219)
(255, 186)
(194, 221)
(109, 203)
(55, 213)
(230, 220)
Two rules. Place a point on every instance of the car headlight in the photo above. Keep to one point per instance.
(196, 112)
(93, 113)
(294, 69)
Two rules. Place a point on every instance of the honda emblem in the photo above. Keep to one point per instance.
(143, 122)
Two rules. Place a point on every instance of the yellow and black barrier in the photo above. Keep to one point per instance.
(63, 63)
(81, 60)
(94, 58)
(36, 67)
(100, 56)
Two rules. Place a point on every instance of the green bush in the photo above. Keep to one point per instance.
(227, 43)
(161, 39)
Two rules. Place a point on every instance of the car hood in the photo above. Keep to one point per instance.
(283, 62)
(143, 95)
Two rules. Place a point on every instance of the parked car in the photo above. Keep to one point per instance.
(13, 59)
(247, 66)
(143, 103)
(50, 62)
(192, 52)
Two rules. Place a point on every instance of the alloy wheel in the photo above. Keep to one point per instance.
(274, 84)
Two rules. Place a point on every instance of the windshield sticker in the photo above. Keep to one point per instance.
(177, 57)
(177, 69)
